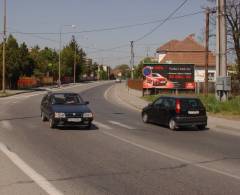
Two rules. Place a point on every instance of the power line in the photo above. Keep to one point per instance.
(112, 28)
(34, 35)
(163, 22)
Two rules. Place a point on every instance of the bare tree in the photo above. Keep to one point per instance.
(233, 29)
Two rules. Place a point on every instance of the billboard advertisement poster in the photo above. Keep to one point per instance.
(170, 76)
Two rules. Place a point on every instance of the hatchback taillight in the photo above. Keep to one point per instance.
(178, 106)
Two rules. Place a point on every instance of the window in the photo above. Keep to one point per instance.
(158, 102)
(66, 99)
(190, 103)
(169, 103)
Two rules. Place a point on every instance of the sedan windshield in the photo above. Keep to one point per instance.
(67, 99)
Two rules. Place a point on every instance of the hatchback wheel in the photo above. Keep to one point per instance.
(145, 118)
(172, 124)
(52, 123)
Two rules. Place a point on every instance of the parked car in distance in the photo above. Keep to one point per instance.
(118, 80)
(156, 79)
(176, 112)
(62, 109)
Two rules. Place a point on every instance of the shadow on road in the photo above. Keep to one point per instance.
(77, 128)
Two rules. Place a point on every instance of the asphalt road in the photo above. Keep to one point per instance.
(119, 155)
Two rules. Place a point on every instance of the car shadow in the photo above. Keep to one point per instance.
(77, 128)
(191, 129)
(186, 129)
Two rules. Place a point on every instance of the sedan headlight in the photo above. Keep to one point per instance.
(59, 115)
(87, 115)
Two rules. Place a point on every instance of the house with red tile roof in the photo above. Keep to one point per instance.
(188, 51)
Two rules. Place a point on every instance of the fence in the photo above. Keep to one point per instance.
(135, 84)
(31, 82)
(27, 82)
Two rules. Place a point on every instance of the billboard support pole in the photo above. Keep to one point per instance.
(132, 59)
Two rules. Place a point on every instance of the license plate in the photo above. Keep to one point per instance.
(193, 112)
(74, 120)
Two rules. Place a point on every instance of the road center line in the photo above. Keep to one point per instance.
(196, 164)
(36, 177)
(121, 125)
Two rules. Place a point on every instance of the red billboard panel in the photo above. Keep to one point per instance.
(170, 76)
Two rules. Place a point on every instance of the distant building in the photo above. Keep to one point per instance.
(188, 51)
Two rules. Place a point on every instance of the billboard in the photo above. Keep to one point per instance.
(169, 76)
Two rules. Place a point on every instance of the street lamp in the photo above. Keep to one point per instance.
(75, 57)
(4, 46)
(60, 48)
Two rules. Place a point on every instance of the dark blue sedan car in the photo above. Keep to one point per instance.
(62, 109)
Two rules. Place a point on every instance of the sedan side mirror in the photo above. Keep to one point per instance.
(86, 103)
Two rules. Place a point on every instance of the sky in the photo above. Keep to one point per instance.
(49, 16)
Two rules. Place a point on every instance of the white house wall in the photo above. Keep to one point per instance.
(160, 57)
(199, 74)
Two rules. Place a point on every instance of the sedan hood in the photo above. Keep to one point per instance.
(71, 108)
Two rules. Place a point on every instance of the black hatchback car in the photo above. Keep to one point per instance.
(176, 112)
(65, 109)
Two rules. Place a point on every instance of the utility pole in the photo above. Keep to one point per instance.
(4, 46)
(206, 51)
(59, 59)
(132, 59)
(221, 48)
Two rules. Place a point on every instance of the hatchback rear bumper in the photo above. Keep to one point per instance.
(191, 121)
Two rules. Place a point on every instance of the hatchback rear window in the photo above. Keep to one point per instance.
(191, 103)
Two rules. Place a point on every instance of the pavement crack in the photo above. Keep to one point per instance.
(118, 173)
(17, 183)
(217, 160)
(19, 118)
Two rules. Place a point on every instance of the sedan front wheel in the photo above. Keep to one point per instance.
(52, 123)
(43, 117)
(145, 118)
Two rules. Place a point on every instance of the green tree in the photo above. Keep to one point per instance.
(45, 61)
(102, 73)
(68, 54)
(13, 63)
(26, 62)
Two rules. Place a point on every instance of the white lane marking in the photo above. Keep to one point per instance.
(196, 164)
(107, 91)
(6, 125)
(102, 125)
(36, 177)
(121, 125)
